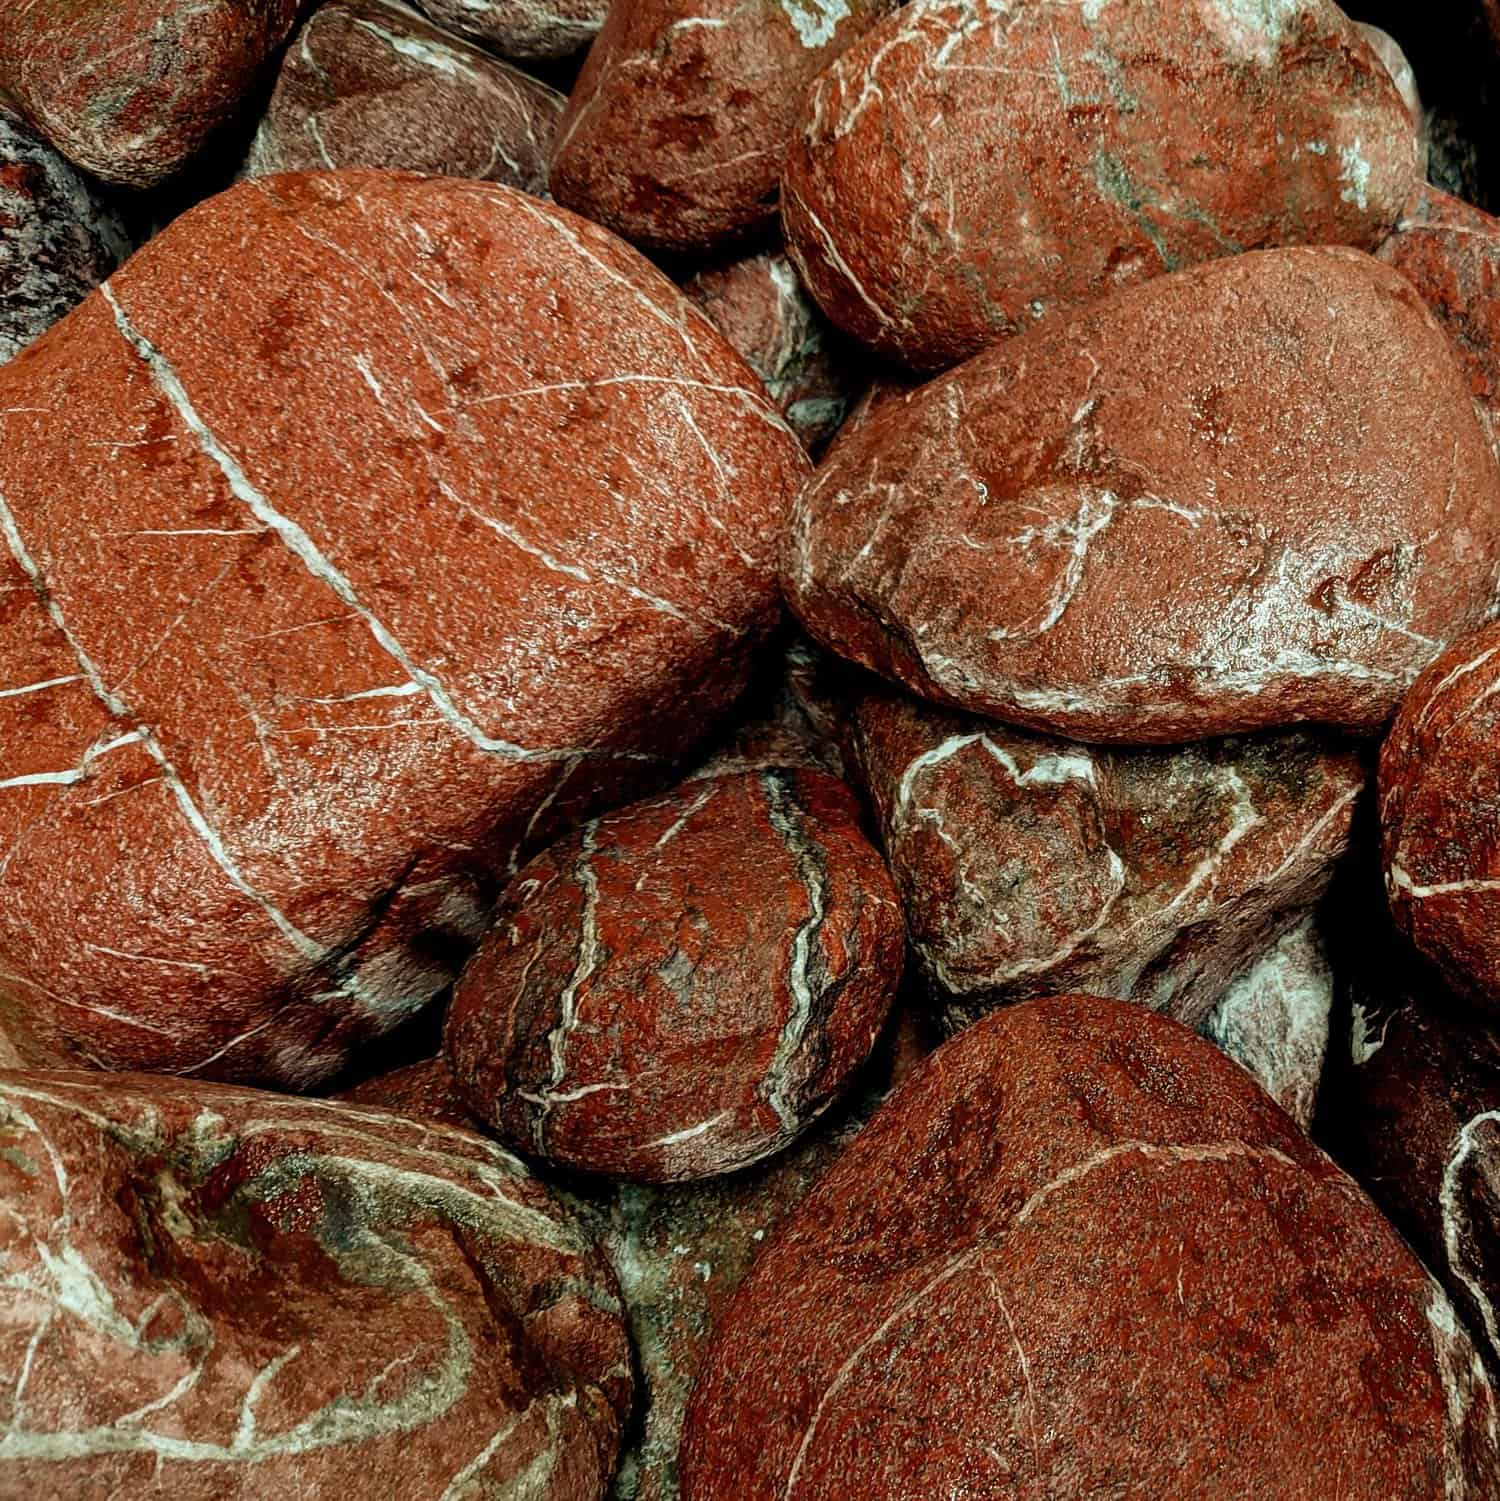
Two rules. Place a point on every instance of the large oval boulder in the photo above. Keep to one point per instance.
(363, 529)
(965, 169)
(1251, 494)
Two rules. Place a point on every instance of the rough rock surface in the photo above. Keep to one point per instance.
(963, 171)
(530, 30)
(58, 238)
(1251, 494)
(1079, 1253)
(338, 578)
(1439, 795)
(1388, 50)
(370, 83)
(1032, 866)
(132, 89)
(424, 1090)
(759, 306)
(680, 988)
(214, 1294)
(680, 120)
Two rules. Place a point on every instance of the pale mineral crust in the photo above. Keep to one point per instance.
(530, 30)
(964, 171)
(212, 1293)
(679, 989)
(131, 90)
(364, 532)
(58, 237)
(370, 83)
(1080, 1253)
(1248, 495)
(679, 123)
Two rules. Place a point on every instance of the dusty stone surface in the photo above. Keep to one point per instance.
(335, 582)
(1080, 1253)
(213, 1293)
(759, 305)
(1033, 866)
(133, 89)
(370, 83)
(530, 30)
(1439, 792)
(1248, 495)
(682, 987)
(962, 172)
(679, 123)
(58, 237)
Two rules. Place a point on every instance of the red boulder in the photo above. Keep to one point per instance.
(523, 28)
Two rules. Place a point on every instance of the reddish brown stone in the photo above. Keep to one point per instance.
(423, 1090)
(962, 172)
(218, 1295)
(1248, 495)
(679, 123)
(1079, 1253)
(1388, 50)
(1439, 791)
(369, 83)
(369, 529)
(535, 30)
(681, 988)
(58, 238)
(759, 306)
(132, 89)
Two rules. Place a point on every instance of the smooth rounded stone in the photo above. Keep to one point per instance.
(424, 1090)
(370, 83)
(1245, 496)
(131, 90)
(1439, 793)
(213, 1293)
(759, 306)
(1388, 50)
(964, 171)
(58, 237)
(341, 574)
(529, 30)
(1031, 866)
(682, 987)
(679, 123)
(1080, 1253)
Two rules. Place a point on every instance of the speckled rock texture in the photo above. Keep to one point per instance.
(529, 30)
(1439, 796)
(338, 579)
(1032, 866)
(58, 237)
(369, 83)
(1388, 50)
(759, 305)
(964, 171)
(424, 1090)
(1245, 496)
(133, 89)
(682, 987)
(1079, 1253)
(214, 1294)
(680, 120)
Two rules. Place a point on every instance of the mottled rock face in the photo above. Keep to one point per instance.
(1079, 1253)
(532, 30)
(1388, 50)
(964, 171)
(1439, 793)
(1028, 866)
(58, 238)
(759, 306)
(216, 1294)
(680, 988)
(423, 1090)
(1251, 494)
(369, 83)
(336, 578)
(132, 89)
(679, 123)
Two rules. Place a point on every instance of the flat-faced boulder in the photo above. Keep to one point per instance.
(531, 30)
(214, 1293)
(1080, 1253)
(58, 238)
(683, 986)
(679, 123)
(1245, 496)
(962, 171)
(340, 570)
(133, 89)
(370, 83)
